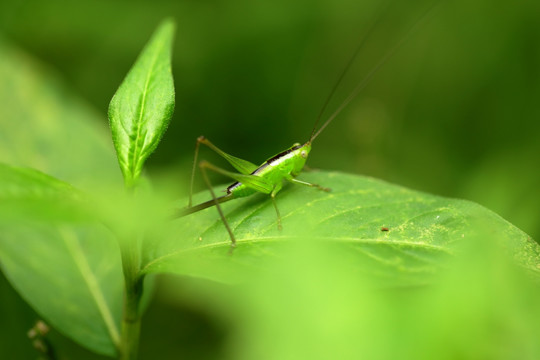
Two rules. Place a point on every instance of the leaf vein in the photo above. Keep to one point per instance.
(91, 282)
(376, 241)
(138, 124)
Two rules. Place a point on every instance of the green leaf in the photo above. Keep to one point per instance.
(423, 231)
(66, 268)
(29, 193)
(29, 183)
(142, 106)
(44, 125)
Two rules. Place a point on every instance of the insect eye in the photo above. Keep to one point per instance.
(303, 153)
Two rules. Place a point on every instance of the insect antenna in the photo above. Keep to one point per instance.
(365, 81)
(371, 29)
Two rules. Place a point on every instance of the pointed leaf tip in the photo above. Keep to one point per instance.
(141, 108)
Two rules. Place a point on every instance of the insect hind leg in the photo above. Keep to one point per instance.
(273, 197)
(204, 165)
(243, 166)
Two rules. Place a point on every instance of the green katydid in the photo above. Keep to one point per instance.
(269, 177)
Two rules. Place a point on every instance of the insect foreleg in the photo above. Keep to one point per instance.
(300, 182)
(273, 196)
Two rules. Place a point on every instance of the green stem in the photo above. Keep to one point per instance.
(131, 321)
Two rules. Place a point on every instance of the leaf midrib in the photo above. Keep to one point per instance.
(142, 106)
(91, 282)
(377, 241)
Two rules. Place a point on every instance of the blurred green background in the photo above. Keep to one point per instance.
(454, 112)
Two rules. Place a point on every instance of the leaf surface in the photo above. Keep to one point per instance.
(45, 126)
(399, 235)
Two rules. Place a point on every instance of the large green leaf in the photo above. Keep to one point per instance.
(44, 125)
(29, 183)
(67, 268)
(327, 295)
(140, 111)
(423, 230)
